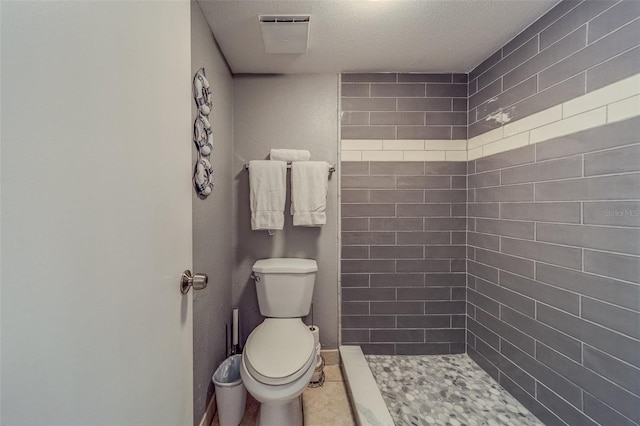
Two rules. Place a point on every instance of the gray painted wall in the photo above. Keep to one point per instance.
(212, 219)
(299, 112)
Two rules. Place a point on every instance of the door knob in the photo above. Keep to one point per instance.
(188, 280)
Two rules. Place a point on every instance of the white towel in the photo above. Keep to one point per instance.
(267, 193)
(309, 185)
(290, 155)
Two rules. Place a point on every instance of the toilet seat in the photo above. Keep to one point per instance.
(279, 351)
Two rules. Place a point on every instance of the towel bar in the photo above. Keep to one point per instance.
(332, 167)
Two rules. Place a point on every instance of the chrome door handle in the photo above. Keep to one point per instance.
(188, 280)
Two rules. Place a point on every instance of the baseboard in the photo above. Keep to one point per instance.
(210, 413)
(330, 356)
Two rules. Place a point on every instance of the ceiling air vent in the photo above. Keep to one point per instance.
(285, 33)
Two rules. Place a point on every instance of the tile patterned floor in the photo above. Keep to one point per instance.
(444, 390)
(327, 405)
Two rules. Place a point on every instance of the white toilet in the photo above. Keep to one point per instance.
(279, 357)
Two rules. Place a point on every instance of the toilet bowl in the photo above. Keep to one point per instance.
(279, 356)
(277, 365)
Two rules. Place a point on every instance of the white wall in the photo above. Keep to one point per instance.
(299, 112)
(212, 218)
(95, 132)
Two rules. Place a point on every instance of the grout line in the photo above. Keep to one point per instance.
(580, 305)
(570, 314)
(609, 33)
(567, 359)
(573, 292)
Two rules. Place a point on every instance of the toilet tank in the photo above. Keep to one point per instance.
(285, 286)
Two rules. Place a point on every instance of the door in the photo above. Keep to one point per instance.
(95, 213)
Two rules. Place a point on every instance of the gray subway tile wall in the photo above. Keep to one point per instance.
(403, 272)
(577, 47)
(552, 298)
(597, 139)
(577, 283)
(548, 302)
(404, 106)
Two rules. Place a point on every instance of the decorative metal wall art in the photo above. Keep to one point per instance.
(202, 135)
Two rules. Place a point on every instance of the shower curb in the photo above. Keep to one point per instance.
(366, 401)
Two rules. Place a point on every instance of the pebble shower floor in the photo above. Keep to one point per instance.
(444, 390)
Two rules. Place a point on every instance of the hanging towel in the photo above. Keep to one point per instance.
(267, 193)
(309, 185)
(290, 155)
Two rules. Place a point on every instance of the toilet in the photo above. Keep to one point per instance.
(279, 356)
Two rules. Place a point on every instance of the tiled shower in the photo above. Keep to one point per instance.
(552, 275)
(524, 253)
(403, 256)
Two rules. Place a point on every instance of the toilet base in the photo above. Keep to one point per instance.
(288, 414)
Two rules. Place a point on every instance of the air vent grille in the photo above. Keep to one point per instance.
(285, 34)
(291, 19)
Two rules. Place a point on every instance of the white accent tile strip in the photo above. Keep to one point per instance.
(506, 144)
(382, 156)
(403, 145)
(586, 120)
(614, 92)
(485, 138)
(368, 406)
(456, 155)
(403, 150)
(623, 109)
(424, 156)
(534, 120)
(615, 102)
(439, 145)
(361, 145)
(474, 153)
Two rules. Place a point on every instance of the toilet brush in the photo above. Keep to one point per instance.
(235, 346)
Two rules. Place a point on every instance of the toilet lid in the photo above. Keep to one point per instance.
(278, 350)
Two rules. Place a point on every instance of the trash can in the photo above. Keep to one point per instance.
(231, 395)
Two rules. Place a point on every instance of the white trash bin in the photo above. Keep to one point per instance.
(231, 395)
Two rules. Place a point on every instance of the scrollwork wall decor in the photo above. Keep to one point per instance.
(202, 135)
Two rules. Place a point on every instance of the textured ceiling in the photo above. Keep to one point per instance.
(373, 35)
